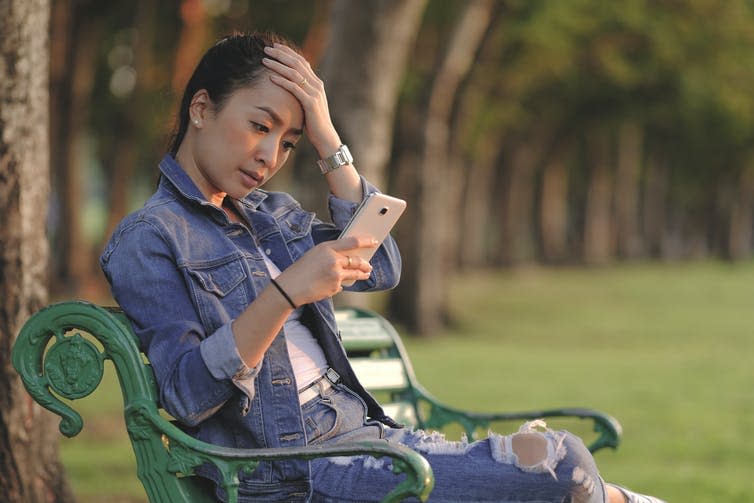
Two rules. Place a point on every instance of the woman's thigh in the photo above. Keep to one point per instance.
(528, 466)
(338, 415)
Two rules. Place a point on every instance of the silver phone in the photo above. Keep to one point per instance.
(375, 216)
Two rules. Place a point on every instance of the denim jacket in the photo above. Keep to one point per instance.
(182, 272)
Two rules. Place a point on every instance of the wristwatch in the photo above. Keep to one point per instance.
(340, 158)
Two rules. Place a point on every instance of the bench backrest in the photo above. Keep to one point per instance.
(381, 363)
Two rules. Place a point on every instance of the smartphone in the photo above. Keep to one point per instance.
(375, 216)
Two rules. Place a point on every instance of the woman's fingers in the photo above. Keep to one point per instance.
(292, 66)
(327, 266)
(353, 243)
(292, 72)
(356, 263)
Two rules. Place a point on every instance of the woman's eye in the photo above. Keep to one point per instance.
(260, 127)
(288, 145)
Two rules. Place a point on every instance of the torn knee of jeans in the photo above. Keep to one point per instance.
(435, 443)
(367, 462)
(530, 449)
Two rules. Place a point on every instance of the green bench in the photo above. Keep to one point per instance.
(60, 352)
(382, 364)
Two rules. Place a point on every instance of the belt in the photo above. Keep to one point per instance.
(319, 385)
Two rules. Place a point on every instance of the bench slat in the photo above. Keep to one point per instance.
(363, 334)
(403, 412)
(380, 375)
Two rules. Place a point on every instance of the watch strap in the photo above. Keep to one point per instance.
(340, 158)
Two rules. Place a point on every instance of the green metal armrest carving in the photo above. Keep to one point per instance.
(52, 355)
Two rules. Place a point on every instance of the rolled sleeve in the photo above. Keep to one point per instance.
(341, 210)
(221, 356)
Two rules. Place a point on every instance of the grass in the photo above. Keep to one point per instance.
(666, 348)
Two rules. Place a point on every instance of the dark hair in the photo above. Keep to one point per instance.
(234, 62)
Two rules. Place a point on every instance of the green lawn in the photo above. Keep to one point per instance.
(666, 348)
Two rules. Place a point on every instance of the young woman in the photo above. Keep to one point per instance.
(229, 289)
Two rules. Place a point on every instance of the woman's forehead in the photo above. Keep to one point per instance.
(267, 97)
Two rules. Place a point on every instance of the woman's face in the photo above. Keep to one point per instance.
(241, 146)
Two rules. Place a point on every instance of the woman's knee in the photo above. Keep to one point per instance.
(536, 449)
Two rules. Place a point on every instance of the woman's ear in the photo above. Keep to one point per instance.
(199, 107)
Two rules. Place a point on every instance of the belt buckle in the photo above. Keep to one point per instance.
(332, 376)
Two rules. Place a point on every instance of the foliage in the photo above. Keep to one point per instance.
(549, 72)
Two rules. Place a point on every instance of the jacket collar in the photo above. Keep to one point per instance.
(185, 186)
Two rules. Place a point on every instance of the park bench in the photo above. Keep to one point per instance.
(60, 352)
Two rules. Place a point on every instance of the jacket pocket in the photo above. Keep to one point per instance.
(219, 290)
(219, 279)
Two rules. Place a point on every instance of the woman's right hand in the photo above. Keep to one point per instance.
(323, 270)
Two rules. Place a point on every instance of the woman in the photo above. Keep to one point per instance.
(229, 289)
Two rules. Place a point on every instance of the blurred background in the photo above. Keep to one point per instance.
(580, 180)
(520, 132)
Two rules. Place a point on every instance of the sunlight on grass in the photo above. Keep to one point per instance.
(665, 348)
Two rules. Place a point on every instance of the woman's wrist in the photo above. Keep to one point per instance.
(284, 294)
(327, 145)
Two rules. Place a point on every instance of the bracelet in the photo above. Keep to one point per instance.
(282, 292)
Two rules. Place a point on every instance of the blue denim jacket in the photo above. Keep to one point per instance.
(182, 271)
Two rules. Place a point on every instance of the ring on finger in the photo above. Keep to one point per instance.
(302, 83)
(350, 261)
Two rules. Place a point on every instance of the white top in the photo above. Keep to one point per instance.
(307, 358)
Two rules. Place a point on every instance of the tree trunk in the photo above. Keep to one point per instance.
(742, 216)
(123, 158)
(627, 183)
(654, 214)
(553, 218)
(518, 244)
(363, 66)
(598, 239)
(473, 244)
(74, 45)
(29, 467)
(192, 43)
(436, 214)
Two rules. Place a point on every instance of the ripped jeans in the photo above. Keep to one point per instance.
(534, 465)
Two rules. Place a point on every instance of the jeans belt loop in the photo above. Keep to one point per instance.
(323, 383)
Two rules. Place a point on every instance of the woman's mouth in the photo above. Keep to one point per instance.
(251, 180)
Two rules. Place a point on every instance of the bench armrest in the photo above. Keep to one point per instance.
(187, 453)
(608, 429)
(55, 357)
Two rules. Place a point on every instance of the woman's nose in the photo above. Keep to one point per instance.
(266, 153)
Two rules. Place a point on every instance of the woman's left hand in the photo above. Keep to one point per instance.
(293, 72)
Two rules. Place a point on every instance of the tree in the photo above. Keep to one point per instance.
(29, 467)
(422, 302)
(363, 66)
